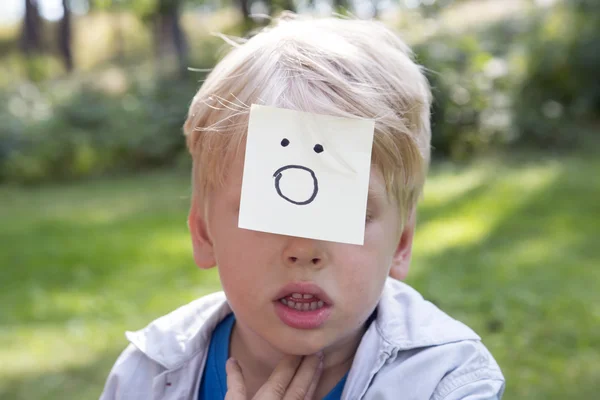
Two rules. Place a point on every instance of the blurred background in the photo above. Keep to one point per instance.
(95, 182)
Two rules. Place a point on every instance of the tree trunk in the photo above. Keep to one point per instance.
(119, 31)
(179, 39)
(245, 9)
(375, 4)
(169, 36)
(31, 31)
(119, 36)
(64, 37)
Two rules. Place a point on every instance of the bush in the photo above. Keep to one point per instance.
(560, 94)
(46, 137)
(470, 84)
(111, 119)
(529, 82)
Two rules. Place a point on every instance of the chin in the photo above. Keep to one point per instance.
(299, 344)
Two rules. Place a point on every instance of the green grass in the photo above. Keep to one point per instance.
(511, 248)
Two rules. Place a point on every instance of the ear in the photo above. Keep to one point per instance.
(201, 242)
(401, 259)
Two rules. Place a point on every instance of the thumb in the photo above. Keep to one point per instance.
(235, 381)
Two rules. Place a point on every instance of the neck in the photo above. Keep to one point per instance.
(258, 359)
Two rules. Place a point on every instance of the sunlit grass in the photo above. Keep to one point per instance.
(81, 264)
(479, 200)
(515, 256)
(508, 247)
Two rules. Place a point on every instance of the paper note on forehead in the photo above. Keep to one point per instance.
(306, 175)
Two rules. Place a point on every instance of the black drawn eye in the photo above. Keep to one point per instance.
(318, 148)
(285, 142)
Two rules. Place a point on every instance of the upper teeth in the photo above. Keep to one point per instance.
(313, 305)
(300, 295)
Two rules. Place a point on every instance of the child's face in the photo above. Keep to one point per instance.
(257, 269)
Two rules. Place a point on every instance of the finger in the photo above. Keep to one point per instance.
(236, 390)
(315, 380)
(303, 379)
(276, 385)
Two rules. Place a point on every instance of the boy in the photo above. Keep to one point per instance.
(363, 335)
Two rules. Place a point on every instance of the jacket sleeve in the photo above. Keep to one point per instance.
(130, 378)
(476, 377)
(483, 389)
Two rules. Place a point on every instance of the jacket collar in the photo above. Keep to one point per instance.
(404, 321)
(175, 338)
(407, 321)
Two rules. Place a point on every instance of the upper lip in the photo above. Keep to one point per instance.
(303, 288)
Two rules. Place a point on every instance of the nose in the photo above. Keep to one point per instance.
(304, 252)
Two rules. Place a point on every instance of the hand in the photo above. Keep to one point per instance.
(294, 378)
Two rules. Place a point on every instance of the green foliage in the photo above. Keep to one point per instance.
(433, 8)
(527, 81)
(112, 118)
(560, 93)
(471, 99)
(530, 80)
(140, 7)
(49, 136)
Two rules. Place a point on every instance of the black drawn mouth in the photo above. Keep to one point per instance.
(300, 202)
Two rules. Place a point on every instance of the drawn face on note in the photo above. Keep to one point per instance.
(306, 175)
(304, 182)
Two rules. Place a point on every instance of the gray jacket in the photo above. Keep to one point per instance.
(411, 351)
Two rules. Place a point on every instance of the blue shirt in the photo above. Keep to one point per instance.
(214, 379)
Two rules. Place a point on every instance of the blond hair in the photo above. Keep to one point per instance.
(340, 67)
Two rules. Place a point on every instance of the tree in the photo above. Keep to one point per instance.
(64, 37)
(375, 5)
(245, 9)
(163, 18)
(168, 33)
(31, 30)
(117, 9)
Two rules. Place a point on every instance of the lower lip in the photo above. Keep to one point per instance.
(309, 319)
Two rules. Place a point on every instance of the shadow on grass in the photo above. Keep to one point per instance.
(88, 258)
(526, 281)
(455, 202)
(87, 261)
(90, 241)
(527, 285)
(77, 383)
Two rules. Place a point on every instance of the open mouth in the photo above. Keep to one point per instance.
(302, 302)
(303, 305)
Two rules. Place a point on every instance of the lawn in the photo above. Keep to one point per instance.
(509, 247)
